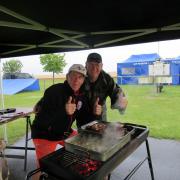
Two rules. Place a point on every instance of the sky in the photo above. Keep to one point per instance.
(110, 56)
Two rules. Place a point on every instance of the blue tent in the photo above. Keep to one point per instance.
(143, 58)
(137, 66)
(13, 86)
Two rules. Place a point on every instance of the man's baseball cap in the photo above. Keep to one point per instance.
(78, 68)
(94, 57)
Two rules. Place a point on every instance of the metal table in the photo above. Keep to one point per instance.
(9, 117)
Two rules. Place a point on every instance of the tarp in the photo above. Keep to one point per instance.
(39, 27)
(143, 57)
(13, 86)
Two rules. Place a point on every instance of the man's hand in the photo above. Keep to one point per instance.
(97, 108)
(122, 101)
(70, 106)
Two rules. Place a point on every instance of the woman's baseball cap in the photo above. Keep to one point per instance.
(78, 68)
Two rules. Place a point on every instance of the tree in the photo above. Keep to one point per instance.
(12, 66)
(53, 63)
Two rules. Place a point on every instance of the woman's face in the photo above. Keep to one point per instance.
(75, 80)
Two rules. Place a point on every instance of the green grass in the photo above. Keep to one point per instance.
(159, 112)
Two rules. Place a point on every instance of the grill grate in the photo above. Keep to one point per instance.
(79, 164)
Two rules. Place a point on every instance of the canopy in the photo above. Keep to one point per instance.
(37, 27)
(142, 58)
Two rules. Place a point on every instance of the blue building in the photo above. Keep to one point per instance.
(149, 69)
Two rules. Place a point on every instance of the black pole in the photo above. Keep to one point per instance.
(149, 160)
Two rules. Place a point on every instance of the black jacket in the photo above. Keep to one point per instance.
(52, 121)
(103, 87)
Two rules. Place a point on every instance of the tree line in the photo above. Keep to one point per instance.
(54, 63)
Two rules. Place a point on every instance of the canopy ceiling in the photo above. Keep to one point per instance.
(29, 27)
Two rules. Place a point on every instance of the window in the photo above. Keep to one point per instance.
(128, 71)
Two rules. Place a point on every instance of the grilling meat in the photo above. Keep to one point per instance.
(98, 127)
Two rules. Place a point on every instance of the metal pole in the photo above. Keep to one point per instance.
(2, 102)
(44, 84)
(1, 87)
(26, 142)
(149, 160)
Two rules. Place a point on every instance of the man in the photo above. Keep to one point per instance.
(61, 104)
(101, 85)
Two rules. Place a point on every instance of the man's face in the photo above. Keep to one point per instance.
(75, 80)
(93, 70)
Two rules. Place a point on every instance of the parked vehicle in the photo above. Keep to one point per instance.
(17, 76)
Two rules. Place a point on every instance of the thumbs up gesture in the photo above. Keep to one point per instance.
(97, 110)
(70, 106)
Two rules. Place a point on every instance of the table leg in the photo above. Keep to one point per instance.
(26, 143)
(149, 160)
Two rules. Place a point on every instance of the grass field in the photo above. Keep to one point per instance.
(159, 112)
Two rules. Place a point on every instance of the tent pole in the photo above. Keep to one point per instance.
(1, 87)
(2, 103)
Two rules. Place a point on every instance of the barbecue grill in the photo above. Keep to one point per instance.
(69, 165)
(100, 143)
